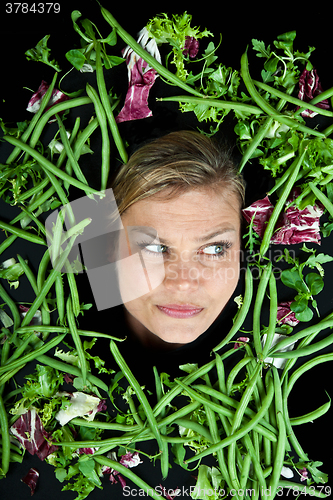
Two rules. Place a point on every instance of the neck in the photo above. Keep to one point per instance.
(146, 337)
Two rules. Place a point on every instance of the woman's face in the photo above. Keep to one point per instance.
(179, 281)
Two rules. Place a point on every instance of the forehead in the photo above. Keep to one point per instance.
(194, 210)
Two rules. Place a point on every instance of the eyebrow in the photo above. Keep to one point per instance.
(152, 233)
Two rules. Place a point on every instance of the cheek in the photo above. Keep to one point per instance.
(221, 279)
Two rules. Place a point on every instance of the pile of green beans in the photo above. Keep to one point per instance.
(247, 429)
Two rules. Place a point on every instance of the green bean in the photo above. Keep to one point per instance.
(305, 351)
(12, 306)
(194, 426)
(101, 116)
(20, 350)
(48, 283)
(221, 410)
(8, 375)
(5, 438)
(130, 475)
(36, 203)
(95, 424)
(73, 290)
(307, 366)
(256, 464)
(326, 322)
(45, 163)
(22, 233)
(217, 103)
(83, 136)
(281, 180)
(273, 305)
(309, 417)
(57, 108)
(59, 291)
(41, 279)
(242, 313)
(129, 40)
(321, 197)
(265, 106)
(245, 471)
(294, 100)
(265, 276)
(146, 406)
(279, 206)
(256, 141)
(77, 341)
(37, 189)
(63, 153)
(32, 355)
(73, 370)
(281, 444)
(4, 359)
(234, 372)
(76, 167)
(240, 432)
(107, 106)
(34, 120)
(7, 242)
(227, 400)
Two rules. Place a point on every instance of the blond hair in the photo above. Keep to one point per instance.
(173, 164)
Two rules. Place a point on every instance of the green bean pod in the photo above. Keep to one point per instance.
(48, 283)
(321, 197)
(243, 431)
(76, 338)
(67, 147)
(129, 40)
(45, 163)
(279, 206)
(25, 136)
(264, 279)
(12, 306)
(73, 370)
(309, 417)
(281, 445)
(5, 457)
(242, 313)
(101, 116)
(259, 136)
(32, 355)
(146, 406)
(294, 100)
(107, 106)
(266, 107)
(22, 233)
(129, 474)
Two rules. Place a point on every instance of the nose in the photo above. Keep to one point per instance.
(181, 276)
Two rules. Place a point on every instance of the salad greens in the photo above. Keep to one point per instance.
(242, 419)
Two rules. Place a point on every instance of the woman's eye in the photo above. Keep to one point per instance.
(154, 248)
(215, 250)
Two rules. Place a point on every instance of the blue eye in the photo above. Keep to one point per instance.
(216, 250)
(152, 248)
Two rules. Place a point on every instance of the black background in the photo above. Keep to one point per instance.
(238, 23)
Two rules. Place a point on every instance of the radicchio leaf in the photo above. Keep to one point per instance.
(293, 226)
(29, 431)
(141, 78)
(31, 479)
(309, 88)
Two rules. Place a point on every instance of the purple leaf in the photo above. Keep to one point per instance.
(31, 479)
(309, 88)
(141, 78)
(29, 431)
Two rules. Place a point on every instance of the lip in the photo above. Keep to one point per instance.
(180, 310)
